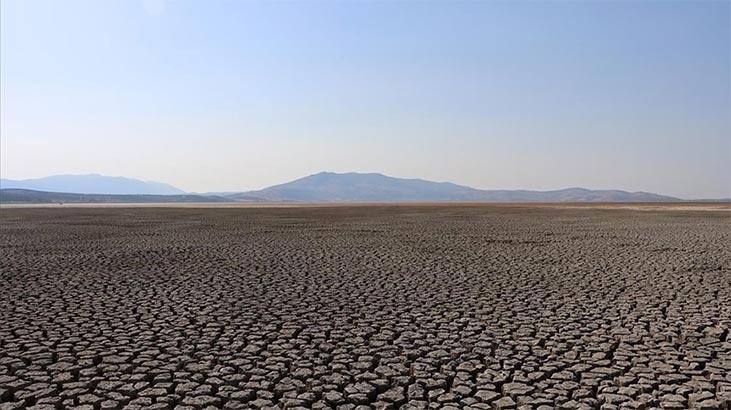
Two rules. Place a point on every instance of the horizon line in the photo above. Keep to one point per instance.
(233, 191)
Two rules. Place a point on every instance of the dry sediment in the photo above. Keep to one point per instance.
(365, 307)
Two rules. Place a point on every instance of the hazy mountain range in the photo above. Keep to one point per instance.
(321, 187)
(92, 184)
(357, 187)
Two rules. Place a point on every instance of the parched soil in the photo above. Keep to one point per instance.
(365, 307)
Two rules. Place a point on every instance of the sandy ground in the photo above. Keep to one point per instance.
(377, 306)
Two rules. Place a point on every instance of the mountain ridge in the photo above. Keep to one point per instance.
(92, 184)
(320, 187)
(366, 187)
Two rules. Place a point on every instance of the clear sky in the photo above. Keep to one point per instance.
(233, 95)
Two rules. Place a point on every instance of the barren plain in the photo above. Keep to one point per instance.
(463, 306)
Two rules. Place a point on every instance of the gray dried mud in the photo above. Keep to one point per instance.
(365, 307)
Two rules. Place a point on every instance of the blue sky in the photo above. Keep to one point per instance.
(229, 95)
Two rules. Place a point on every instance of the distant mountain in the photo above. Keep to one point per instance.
(27, 196)
(332, 187)
(372, 187)
(574, 195)
(92, 184)
(321, 187)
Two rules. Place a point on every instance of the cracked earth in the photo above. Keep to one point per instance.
(365, 307)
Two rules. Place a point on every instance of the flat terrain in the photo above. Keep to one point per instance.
(383, 306)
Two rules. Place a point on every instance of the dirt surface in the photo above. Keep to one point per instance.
(382, 306)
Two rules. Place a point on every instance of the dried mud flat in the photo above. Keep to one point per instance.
(365, 307)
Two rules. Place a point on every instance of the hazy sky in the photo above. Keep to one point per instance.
(231, 95)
